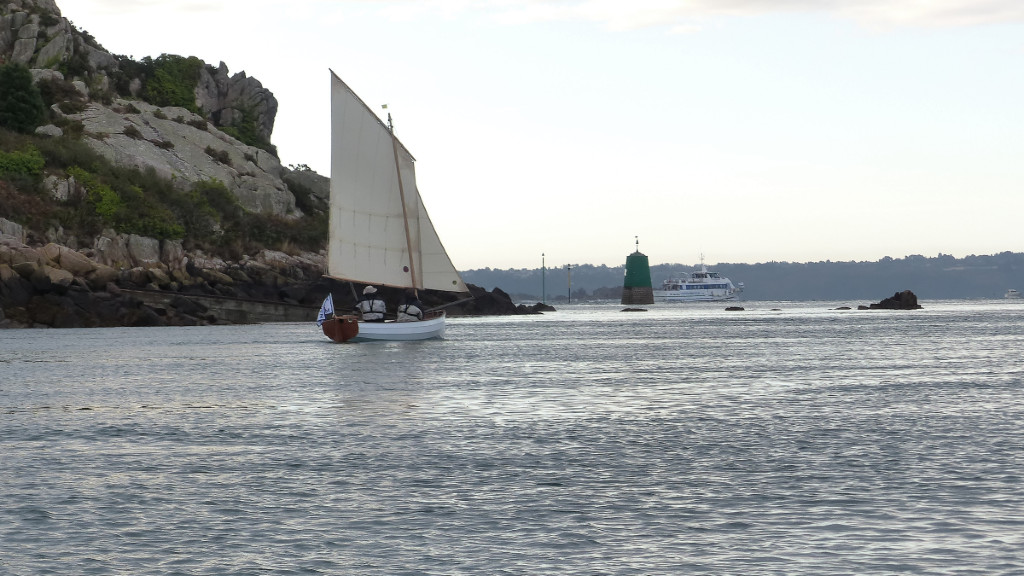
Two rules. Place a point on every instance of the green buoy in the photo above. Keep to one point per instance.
(636, 288)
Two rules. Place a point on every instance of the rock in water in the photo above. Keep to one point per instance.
(905, 300)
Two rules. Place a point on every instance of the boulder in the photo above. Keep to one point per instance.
(67, 259)
(56, 278)
(102, 276)
(55, 311)
(49, 130)
(15, 291)
(59, 188)
(172, 254)
(26, 269)
(143, 251)
(159, 277)
(12, 229)
(24, 48)
(13, 252)
(111, 250)
(905, 300)
(137, 276)
(215, 277)
(181, 277)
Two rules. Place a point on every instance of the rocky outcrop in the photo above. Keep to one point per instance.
(56, 286)
(177, 144)
(13, 229)
(905, 300)
(174, 142)
(225, 99)
(156, 283)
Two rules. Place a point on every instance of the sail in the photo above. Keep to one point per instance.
(369, 221)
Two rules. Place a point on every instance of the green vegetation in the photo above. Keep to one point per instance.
(205, 216)
(171, 80)
(62, 93)
(28, 162)
(21, 105)
(247, 132)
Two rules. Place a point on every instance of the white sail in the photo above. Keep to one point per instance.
(368, 223)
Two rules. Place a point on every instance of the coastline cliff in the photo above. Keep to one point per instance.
(130, 190)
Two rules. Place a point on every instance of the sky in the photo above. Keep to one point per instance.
(564, 131)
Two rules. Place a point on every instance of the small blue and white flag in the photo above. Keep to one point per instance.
(327, 308)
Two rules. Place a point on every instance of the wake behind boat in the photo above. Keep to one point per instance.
(380, 233)
(699, 286)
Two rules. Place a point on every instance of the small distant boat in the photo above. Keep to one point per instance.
(1011, 294)
(700, 286)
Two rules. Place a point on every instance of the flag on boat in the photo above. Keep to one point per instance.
(327, 308)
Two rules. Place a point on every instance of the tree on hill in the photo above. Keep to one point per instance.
(21, 105)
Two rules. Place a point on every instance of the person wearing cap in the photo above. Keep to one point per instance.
(411, 309)
(370, 307)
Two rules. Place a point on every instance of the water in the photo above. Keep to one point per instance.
(683, 440)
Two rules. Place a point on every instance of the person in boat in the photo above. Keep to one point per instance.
(370, 307)
(411, 309)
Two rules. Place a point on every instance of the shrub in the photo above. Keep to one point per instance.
(73, 129)
(173, 81)
(132, 131)
(246, 132)
(127, 208)
(126, 72)
(62, 153)
(28, 162)
(71, 107)
(21, 105)
(62, 93)
(221, 156)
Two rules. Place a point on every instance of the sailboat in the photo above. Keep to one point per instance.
(380, 233)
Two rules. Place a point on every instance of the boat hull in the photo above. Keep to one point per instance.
(348, 329)
(691, 296)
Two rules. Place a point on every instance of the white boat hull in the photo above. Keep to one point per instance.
(692, 296)
(401, 331)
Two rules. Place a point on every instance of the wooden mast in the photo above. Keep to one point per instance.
(405, 210)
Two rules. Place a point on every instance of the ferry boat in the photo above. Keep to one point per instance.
(699, 286)
(1012, 294)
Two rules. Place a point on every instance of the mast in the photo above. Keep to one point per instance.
(405, 209)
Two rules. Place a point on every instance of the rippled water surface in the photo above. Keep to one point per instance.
(681, 440)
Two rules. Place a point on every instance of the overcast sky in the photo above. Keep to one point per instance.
(746, 130)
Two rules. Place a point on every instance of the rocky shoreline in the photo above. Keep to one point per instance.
(126, 280)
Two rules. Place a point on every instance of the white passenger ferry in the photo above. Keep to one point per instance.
(699, 286)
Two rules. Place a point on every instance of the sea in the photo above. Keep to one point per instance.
(787, 438)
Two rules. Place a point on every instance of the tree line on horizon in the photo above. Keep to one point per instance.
(937, 278)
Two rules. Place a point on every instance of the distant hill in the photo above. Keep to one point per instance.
(940, 277)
